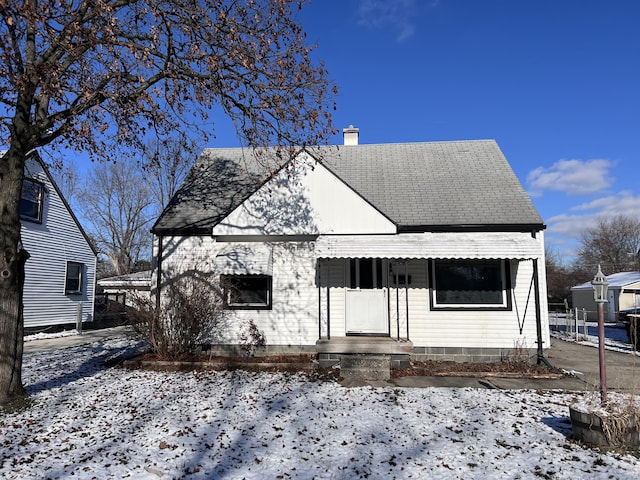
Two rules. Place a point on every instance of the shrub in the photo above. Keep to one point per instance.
(251, 338)
(191, 310)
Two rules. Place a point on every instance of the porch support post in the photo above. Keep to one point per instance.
(536, 293)
(319, 266)
(328, 314)
(406, 293)
(389, 302)
(397, 310)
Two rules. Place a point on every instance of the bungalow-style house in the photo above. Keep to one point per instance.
(430, 250)
(623, 294)
(60, 272)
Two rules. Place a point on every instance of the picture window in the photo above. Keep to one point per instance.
(469, 284)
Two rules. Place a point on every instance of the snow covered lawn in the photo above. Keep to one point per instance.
(91, 422)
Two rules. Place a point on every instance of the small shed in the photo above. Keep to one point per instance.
(623, 294)
(125, 286)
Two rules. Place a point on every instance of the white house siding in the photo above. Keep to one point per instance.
(337, 304)
(480, 329)
(293, 318)
(304, 202)
(51, 244)
(450, 328)
(440, 328)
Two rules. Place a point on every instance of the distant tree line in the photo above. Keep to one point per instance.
(613, 243)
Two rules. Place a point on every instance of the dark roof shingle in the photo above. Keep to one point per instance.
(418, 186)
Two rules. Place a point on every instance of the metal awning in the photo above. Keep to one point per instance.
(245, 259)
(444, 245)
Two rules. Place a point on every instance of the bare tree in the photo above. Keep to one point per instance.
(67, 179)
(116, 199)
(612, 243)
(167, 163)
(558, 277)
(103, 76)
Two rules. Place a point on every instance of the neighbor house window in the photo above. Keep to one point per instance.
(470, 284)
(31, 200)
(73, 283)
(247, 291)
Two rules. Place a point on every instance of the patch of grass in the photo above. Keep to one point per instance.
(17, 406)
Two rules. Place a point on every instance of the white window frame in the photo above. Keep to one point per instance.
(28, 183)
(80, 278)
(228, 280)
(505, 303)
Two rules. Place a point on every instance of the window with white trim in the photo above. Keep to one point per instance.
(247, 292)
(73, 281)
(474, 284)
(31, 197)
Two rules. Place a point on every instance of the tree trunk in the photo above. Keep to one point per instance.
(12, 263)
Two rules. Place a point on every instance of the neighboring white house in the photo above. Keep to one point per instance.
(623, 294)
(60, 272)
(428, 249)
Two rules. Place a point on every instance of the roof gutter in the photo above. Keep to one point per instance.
(524, 227)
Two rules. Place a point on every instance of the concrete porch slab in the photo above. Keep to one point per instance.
(365, 345)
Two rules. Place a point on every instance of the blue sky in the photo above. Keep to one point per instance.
(555, 82)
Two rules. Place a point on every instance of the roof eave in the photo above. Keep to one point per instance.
(188, 231)
(506, 227)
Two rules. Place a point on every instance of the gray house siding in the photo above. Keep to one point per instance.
(51, 244)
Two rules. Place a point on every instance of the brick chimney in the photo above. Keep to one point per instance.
(350, 135)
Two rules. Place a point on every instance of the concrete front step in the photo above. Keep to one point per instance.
(365, 367)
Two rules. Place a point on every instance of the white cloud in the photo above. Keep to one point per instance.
(624, 203)
(399, 14)
(565, 229)
(574, 177)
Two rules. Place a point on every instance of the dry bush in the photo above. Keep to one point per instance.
(190, 312)
(251, 339)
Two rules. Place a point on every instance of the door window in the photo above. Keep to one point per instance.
(365, 273)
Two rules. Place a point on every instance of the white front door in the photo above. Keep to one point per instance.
(366, 312)
(366, 299)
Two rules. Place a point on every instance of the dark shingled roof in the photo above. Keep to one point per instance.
(418, 186)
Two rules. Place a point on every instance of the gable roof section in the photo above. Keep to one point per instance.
(435, 186)
(33, 155)
(304, 200)
(220, 181)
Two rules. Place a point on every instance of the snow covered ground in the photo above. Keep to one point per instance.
(87, 421)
